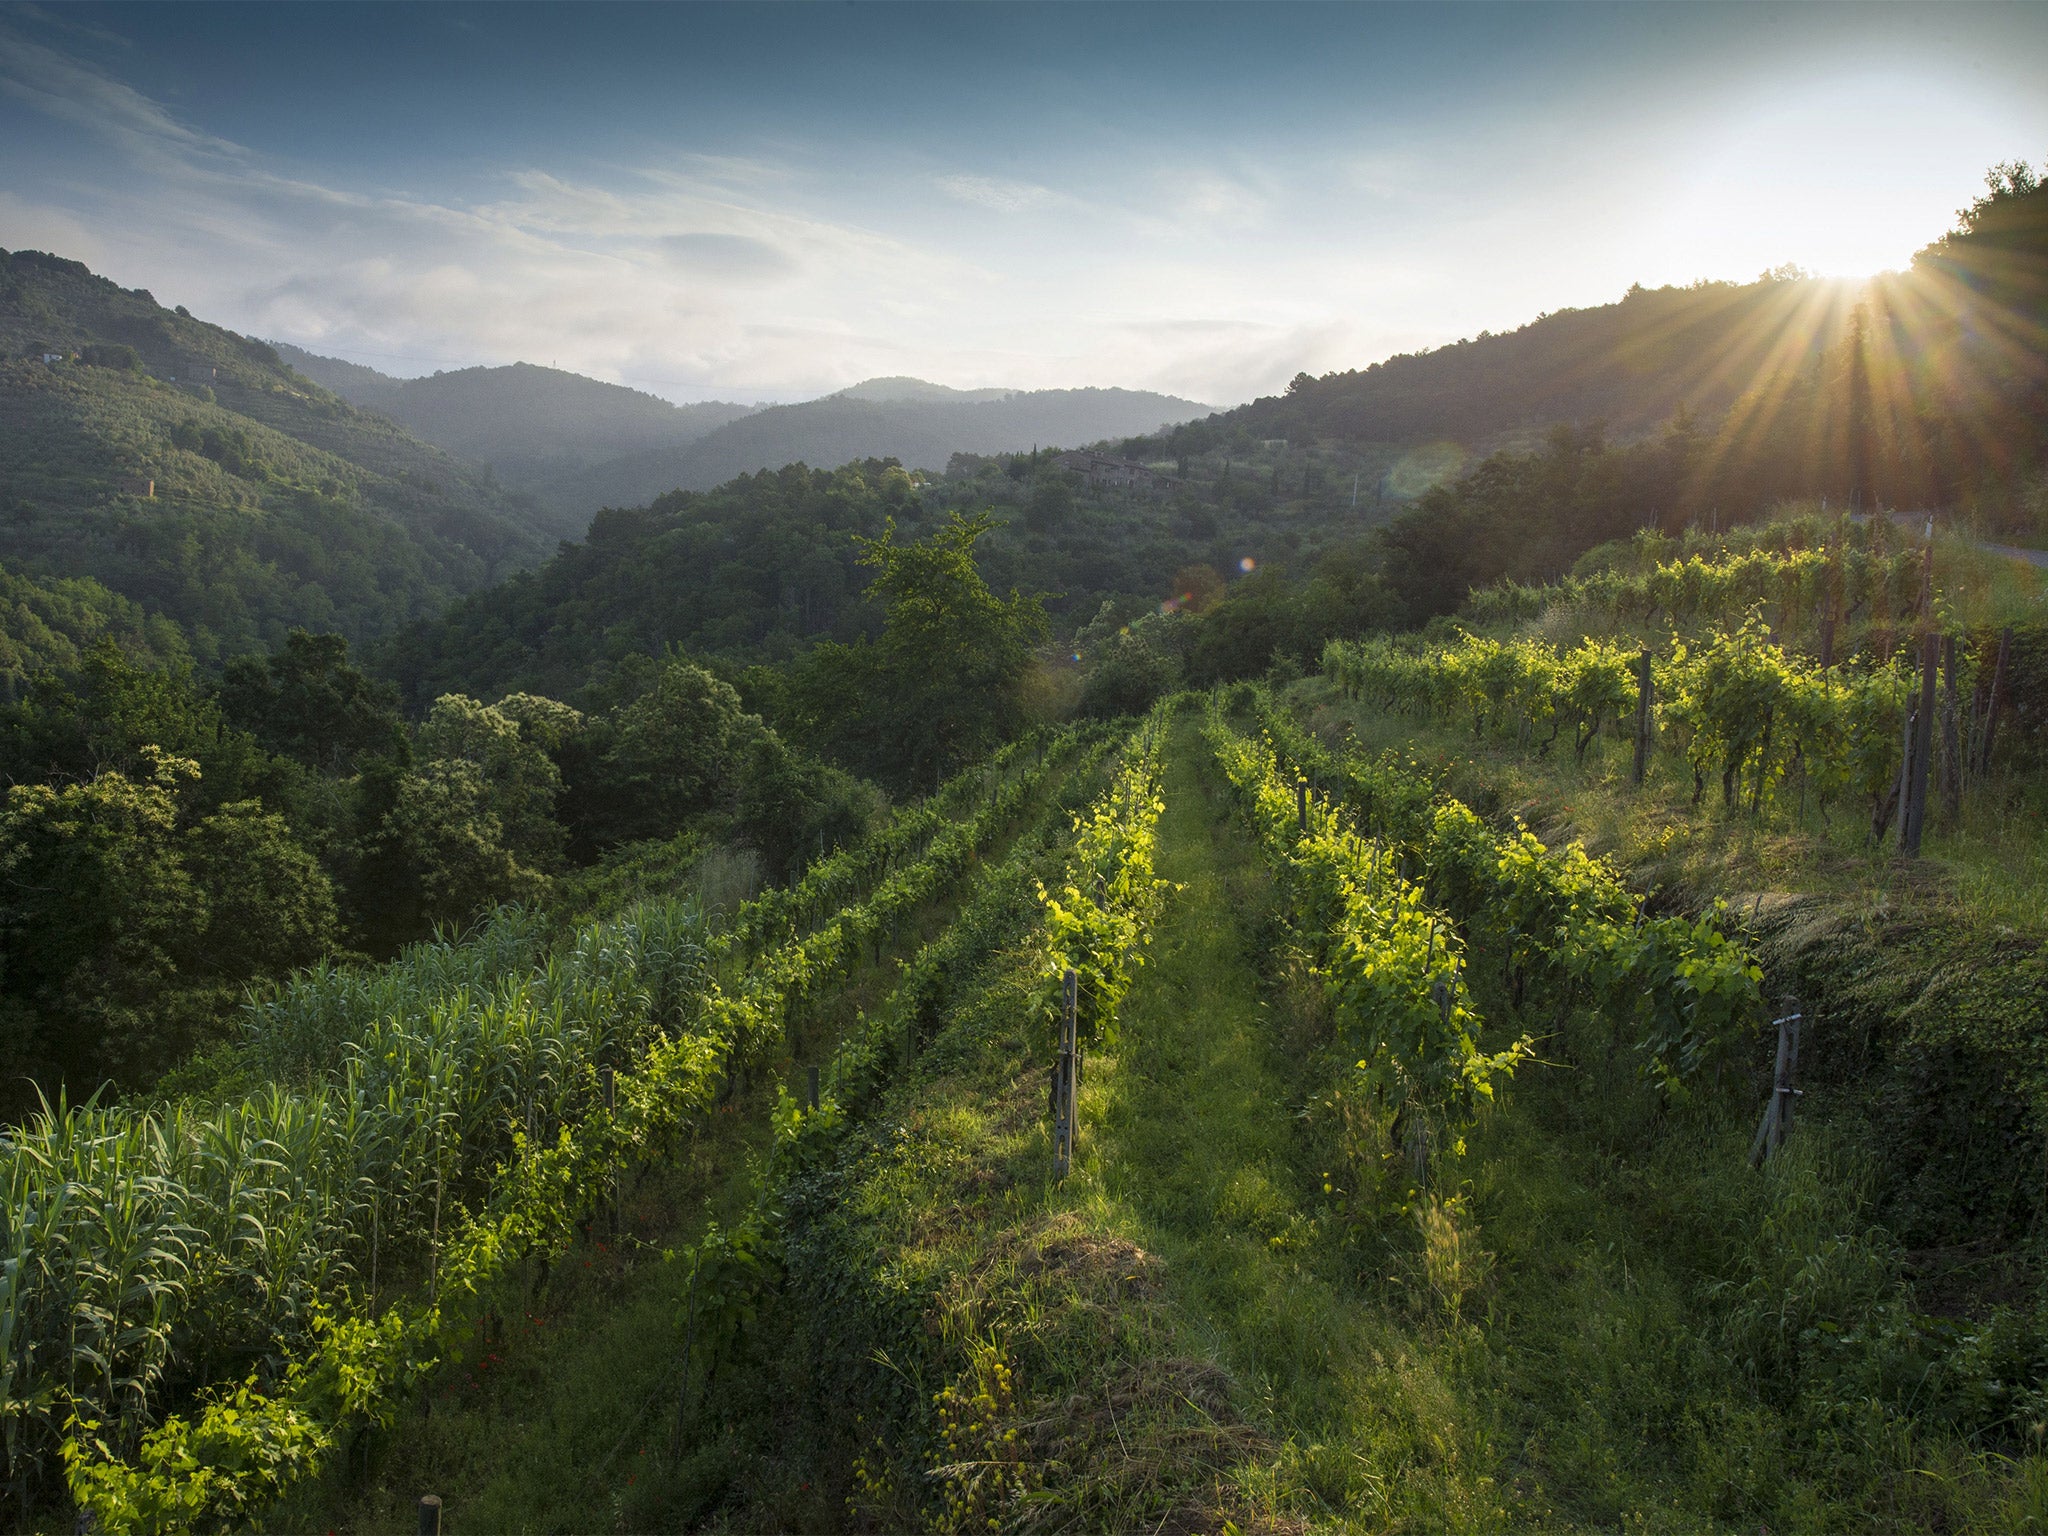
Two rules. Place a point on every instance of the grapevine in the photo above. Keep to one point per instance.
(1391, 965)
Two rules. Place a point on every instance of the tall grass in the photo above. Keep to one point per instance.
(146, 1249)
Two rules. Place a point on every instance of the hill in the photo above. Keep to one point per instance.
(577, 444)
(902, 387)
(1632, 364)
(188, 469)
(1927, 387)
(530, 424)
(919, 425)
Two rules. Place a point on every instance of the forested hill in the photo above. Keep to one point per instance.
(1927, 387)
(918, 424)
(535, 427)
(187, 469)
(1632, 364)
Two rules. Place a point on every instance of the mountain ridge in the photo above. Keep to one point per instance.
(577, 444)
(1632, 365)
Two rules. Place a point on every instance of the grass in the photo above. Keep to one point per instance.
(1201, 1144)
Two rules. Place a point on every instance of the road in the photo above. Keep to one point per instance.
(2011, 551)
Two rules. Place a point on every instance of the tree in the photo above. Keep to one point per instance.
(1051, 504)
(514, 774)
(131, 921)
(943, 684)
(669, 755)
(473, 821)
(111, 715)
(1127, 666)
(446, 822)
(306, 702)
(792, 807)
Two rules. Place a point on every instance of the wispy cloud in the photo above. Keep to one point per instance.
(651, 279)
(59, 86)
(780, 202)
(995, 192)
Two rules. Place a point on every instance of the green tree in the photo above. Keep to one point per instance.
(306, 702)
(473, 820)
(1051, 504)
(793, 808)
(1127, 666)
(446, 824)
(944, 682)
(670, 752)
(512, 771)
(112, 715)
(131, 920)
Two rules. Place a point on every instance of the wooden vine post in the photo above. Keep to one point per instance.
(1065, 1101)
(1777, 1121)
(430, 1515)
(1644, 699)
(610, 1082)
(1920, 744)
(1920, 757)
(1997, 697)
(1951, 737)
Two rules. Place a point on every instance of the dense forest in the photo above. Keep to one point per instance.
(1225, 981)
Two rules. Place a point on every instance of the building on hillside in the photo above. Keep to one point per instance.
(1101, 469)
(137, 485)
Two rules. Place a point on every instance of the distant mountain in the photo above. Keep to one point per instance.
(900, 387)
(188, 470)
(922, 425)
(535, 427)
(1632, 364)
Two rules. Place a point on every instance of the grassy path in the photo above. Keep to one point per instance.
(1200, 1139)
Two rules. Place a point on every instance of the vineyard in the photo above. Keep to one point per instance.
(1823, 581)
(1201, 1120)
(1457, 949)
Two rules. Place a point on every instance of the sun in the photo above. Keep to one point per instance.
(1845, 179)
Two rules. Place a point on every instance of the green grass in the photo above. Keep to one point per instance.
(1201, 1144)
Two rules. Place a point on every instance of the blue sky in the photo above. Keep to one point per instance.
(769, 202)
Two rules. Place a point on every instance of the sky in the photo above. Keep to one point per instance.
(772, 202)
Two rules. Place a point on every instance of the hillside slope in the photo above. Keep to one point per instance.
(188, 469)
(1632, 364)
(1926, 387)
